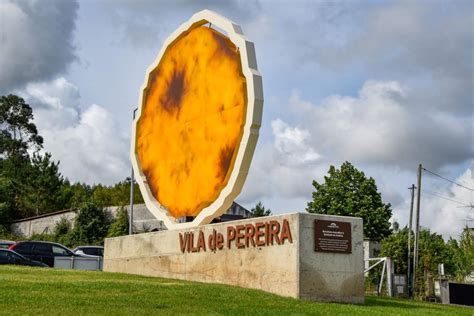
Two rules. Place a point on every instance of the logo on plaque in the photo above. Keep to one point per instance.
(332, 236)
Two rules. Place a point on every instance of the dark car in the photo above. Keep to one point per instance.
(8, 256)
(5, 244)
(89, 250)
(42, 251)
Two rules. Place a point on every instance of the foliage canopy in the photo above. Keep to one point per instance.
(348, 192)
(458, 258)
(119, 226)
(260, 211)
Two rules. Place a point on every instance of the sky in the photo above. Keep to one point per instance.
(385, 85)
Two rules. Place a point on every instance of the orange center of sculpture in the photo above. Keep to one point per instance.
(192, 120)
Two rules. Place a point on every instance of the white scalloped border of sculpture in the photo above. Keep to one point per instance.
(250, 132)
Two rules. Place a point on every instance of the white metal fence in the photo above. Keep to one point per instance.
(79, 263)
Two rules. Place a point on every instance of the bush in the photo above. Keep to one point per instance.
(91, 225)
(7, 203)
(43, 237)
(119, 226)
(63, 227)
(62, 233)
(6, 234)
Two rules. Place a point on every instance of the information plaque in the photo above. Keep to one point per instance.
(332, 236)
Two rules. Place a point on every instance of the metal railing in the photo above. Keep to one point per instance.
(79, 263)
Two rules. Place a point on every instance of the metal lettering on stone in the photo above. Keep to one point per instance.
(260, 234)
(198, 121)
(332, 236)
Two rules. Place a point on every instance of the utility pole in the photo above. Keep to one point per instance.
(417, 227)
(132, 184)
(410, 220)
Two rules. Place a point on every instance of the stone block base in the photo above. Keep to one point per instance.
(275, 254)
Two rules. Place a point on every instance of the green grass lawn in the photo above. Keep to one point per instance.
(41, 291)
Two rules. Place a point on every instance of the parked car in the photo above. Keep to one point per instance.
(8, 256)
(89, 250)
(43, 251)
(5, 244)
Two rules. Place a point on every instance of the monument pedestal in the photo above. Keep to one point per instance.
(300, 255)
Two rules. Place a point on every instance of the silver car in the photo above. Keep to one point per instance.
(89, 250)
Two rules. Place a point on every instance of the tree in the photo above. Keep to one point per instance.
(18, 132)
(464, 255)
(395, 247)
(395, 227)
(90, 225)
(62, 227)
(432, 252)
(7, 197)
(36, 184)
(36, 180)
(79, 193)
(118, 194)
(348, 192)
(119, 226)
(121, 193)
(62, 232)
(16, 169)
(30, 183)
(45, 182)
(259, 210)
(101, 195)
(456, 257)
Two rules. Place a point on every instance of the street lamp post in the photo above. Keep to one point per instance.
(132, 184)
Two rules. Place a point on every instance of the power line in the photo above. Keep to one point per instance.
(445, 198)
(453, 182)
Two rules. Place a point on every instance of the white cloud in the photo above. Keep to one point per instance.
(89, 143)
(448, 217)
(380, 126)
(36, 40)
(377, 130)
(56, 103)
(283, 169)
(291, 144)
(428, 44)
(146, 23)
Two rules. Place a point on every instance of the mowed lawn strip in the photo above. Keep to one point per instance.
(42, 291)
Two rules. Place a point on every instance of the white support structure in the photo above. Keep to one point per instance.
(387, 266)
(390, 270)
(381, 277)
(379, 260)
